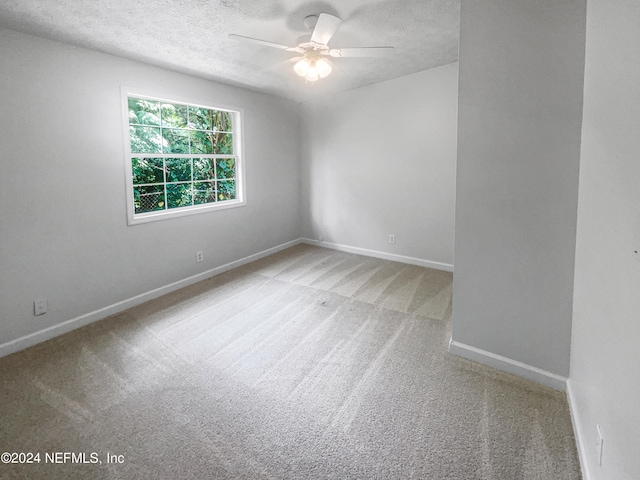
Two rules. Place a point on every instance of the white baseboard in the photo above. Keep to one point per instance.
(581, 443)
(384, 255)
(508, 365)
(64, 327)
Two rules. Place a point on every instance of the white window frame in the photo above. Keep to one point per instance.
(134, 218)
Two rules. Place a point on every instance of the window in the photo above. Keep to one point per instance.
(182, 158)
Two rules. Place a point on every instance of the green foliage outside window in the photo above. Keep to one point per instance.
(182, 155)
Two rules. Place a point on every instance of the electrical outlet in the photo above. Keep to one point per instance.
(392, 238)
(40, 306)
(599, 445)
(199, 257)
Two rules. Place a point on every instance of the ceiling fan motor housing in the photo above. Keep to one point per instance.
(303, 40)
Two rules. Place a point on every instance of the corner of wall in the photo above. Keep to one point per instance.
(578, 433)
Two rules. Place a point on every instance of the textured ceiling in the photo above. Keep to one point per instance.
(191, 36)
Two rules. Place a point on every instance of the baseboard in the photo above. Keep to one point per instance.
(508, 365)
(64, 327)
(384, 255)
(581, 443)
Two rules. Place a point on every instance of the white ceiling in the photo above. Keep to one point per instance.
(191, 36)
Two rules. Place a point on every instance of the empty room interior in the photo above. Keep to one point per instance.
(320, 239)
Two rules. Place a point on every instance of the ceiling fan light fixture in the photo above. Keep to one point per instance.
(302, 67)
(323, 67)
(312, 73)
(312, 69)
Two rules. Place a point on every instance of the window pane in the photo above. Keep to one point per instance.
(201, 142)
(222, 121)
(144, 112)
(175, 141)
(205, 192)
(149, 198)
(174, 115)
(179, 195)
(178, 169)
(147, 170)
(223, 143)
(200, 118)
(204, 169)
(227, 190)
(145, 139)
(226, 167)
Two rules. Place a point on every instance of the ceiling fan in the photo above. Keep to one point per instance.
(313, 64)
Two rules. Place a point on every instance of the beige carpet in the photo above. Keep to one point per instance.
(309, 364)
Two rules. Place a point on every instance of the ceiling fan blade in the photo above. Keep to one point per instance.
(325, 28)
(281, 65)
(266, 43)
(360, 52)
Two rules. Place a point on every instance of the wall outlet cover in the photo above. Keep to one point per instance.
(40, 306)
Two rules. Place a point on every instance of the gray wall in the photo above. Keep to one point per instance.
(520, 107)
(380, 160)
(63, 226)
(605, 348)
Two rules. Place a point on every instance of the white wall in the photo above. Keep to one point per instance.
(605, 348)
(520, 107)
(63, 226)
(380, 160)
